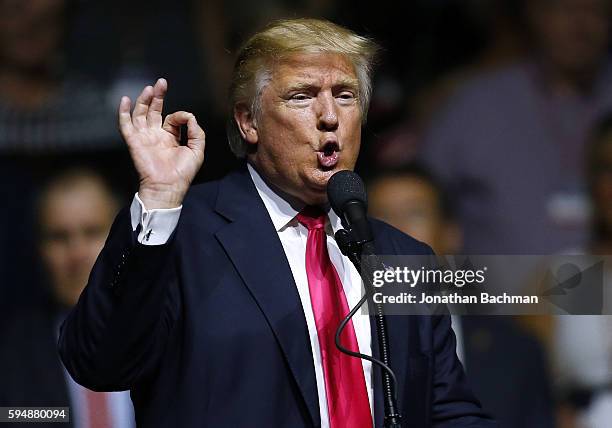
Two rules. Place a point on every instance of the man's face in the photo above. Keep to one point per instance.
(573, 34)
(30, 32)
(74, 224)
(309, 125)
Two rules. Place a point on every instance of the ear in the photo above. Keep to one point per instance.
(246, 123)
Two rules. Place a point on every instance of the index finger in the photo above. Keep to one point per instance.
(154, 114)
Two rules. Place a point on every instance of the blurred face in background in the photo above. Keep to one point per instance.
(31, 32)
(413, 205)
(75, 218)
(572, 35)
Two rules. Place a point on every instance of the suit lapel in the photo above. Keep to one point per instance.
(254, 248)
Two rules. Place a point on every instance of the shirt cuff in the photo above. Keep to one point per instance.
(156, 225)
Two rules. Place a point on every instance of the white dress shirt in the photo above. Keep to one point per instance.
(158, 225)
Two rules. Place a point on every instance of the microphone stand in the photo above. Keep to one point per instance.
(354, 249)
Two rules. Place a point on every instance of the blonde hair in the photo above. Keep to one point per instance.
(253, 67)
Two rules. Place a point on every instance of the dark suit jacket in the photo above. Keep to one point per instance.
(31, 373)
(208, 329)
(507, 370)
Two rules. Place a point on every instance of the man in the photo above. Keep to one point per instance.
(506, 367)
(227, 317)
(44, 105)
(75, 212)
(509, 143)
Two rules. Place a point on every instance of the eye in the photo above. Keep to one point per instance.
(300, 97)
(346, 96)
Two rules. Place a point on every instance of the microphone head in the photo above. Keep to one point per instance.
(345, 186)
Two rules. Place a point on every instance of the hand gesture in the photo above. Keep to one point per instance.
(165, 168)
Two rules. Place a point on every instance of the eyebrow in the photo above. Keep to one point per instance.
(344, 83)
(349, 83)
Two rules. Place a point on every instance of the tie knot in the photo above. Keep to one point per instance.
(312, 217)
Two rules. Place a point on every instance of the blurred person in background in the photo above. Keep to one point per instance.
(505, 366)
(42, 105)
(473, 36)
(410, 199)
(51, 108)
(583, 343)
(508, 143)
(75, 211)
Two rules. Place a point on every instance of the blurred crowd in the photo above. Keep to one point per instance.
(489, 132)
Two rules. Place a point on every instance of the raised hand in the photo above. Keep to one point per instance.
(165, 168)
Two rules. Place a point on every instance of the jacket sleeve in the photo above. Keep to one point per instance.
(116, 334)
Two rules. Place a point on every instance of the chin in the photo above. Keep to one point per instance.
(321, 177)
(315, 185)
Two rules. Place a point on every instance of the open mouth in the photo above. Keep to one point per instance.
(329, 155)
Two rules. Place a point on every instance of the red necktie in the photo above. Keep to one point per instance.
(97, 409)
(347, 398)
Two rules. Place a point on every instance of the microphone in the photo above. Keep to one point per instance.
(347, 196)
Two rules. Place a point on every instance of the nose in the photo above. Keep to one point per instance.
(327, 116)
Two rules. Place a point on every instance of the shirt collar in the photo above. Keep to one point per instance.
(283, 209)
